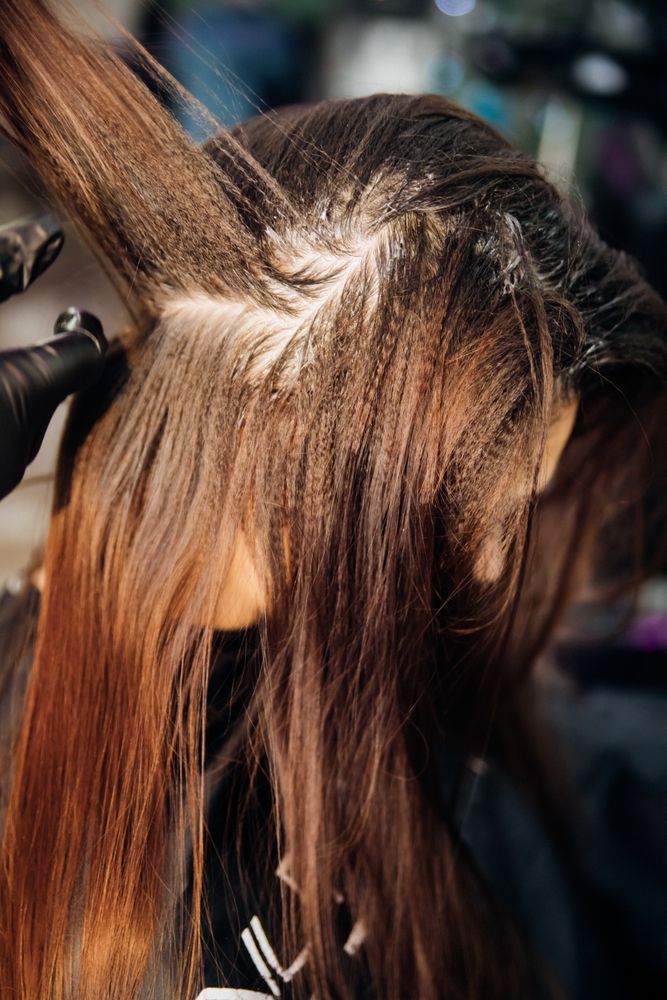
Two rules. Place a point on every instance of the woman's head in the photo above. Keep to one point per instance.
(440, 301)
(357, 326)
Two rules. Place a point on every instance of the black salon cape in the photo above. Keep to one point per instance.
(602, 932)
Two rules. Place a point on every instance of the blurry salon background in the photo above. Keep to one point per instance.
(582, 84)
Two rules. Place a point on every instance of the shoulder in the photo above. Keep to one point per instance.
(598, 914)
(614, 739)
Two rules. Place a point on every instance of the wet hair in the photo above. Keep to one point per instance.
(354, 325)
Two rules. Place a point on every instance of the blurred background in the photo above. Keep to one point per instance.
(582, 84)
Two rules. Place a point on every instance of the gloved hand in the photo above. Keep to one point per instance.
(34, 380)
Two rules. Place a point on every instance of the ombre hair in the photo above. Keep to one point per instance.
(353, 326)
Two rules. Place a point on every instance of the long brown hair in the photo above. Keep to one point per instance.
(353, 323)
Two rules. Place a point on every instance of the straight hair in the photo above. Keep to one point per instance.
(354, 324)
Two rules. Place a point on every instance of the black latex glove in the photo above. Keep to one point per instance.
(27, 248)
(35, 380)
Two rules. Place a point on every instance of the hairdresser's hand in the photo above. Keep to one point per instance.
(34, 380)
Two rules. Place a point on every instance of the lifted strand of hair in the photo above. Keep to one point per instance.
(156, 205)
